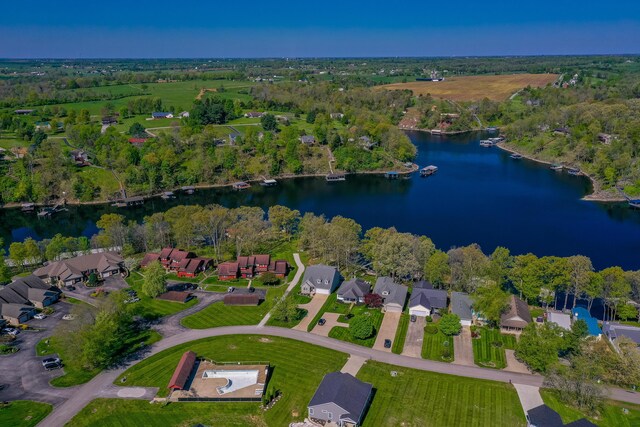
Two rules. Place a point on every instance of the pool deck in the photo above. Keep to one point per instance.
(207, 387)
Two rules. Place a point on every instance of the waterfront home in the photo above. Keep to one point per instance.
(613, 331)
(425, 301)
(321, 279)
(73, 270)
(340, 399)
(308, 139)
(353, 291)
(228, 271)
(30, 290)
(581, 313)
(461, 305)
(184, 263)
(560, 319)
(80, 157)
(517, 316)
(393, 295)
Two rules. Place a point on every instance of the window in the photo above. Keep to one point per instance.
(385, 293)
(310, 411)
(326, 282)
(318, 281)
(329, 415)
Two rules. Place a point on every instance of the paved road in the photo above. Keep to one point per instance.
(294, 282)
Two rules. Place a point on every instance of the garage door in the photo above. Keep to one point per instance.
(418, 312)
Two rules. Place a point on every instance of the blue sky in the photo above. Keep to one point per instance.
(211, 28)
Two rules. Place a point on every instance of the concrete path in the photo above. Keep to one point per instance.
(312, 308)
(415, 336)
(294, 282)
(513, 364)
(463, 348)
(529, 396)
(331, 321)
(387, 331)
(353, 365)
(84, 394)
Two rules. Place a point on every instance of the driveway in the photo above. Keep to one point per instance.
(312, 308)
(83, 293)
(463, 348)
(529, 396)
(331, 321)
(22, 374)
(171, 325)
(513, 364)
(387, 331)
(415, 335)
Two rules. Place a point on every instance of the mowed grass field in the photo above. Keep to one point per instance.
(488, 350)
(434, 347)
(425, 399)
(612, 413)
(23, 413)
(474, 88)
(152, 308)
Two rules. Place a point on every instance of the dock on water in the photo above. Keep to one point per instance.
(240, 185)
(269, 183)
(334, 177)
(428, 170)
(168, 195)
(391, 175)
(28, 207)
(129, 202)
(188, 189)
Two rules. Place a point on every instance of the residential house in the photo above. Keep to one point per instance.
(253, 265)
(425, 300)
(183, 115)
(228, 271)
(543, 416)
(73, 270)
(337, 116)
(23, 112)
(161, 115)
(581, 313)
(262, 262)
(393, 295)
(605, 138)
(43, 126)
(138, 142)
(279, 267)
(254, 114)
(29, 290)
(341, 399)
(613, 331)
(184, 263)
(353, 290)
(366, 142)
(80, 157)
(461, 305)
(560, 319)
(247, 266)
(308, 139)
(321, 279)
(16, 314)
(109, 120)
(517, 316)
(233, 137)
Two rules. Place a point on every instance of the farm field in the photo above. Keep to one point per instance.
(488, 350)
(23, 413)
(474, 88)
(437, 400)
(611, 415)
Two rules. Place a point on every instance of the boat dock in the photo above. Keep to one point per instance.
(334, 177)
(428, 170)
(269, 183)
(168, 195)
(516, 156)
(557, 167)
(28, 207)
(240, 185)
(48, 212)
(487, 143)
(574, 171)
(391, 175)
(188, 189)
(129, 202)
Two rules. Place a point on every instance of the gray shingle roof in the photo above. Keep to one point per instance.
(75, 267)
(428, 298)
(390, 291)
(461, 305)
(27, 289)
(616, 330)
(14, 310)
(320, 276)
(354, 288)
(345, 391)
(544, 416)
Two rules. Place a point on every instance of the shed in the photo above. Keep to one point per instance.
(183, 371)
(176, 296)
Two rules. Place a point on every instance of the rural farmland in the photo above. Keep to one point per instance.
(472, 88)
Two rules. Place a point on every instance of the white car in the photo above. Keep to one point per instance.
(68, 317)
(40, 316)
(11, 331)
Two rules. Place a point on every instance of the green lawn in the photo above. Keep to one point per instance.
(401, 334)
(296, 298)
(152, 308)
(102, 178)
(611, 415)
(218, 314)
(23, 413)
(434, 347)
(331, 305)
(488, 350)
(418, 398)
(343, 334)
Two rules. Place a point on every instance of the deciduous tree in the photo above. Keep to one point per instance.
(155, 280)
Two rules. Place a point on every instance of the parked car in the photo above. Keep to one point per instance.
(68, 317)
(387, 343)
(252, 289)
(40, 316)
(52, 365)
(131, 292)
(11, 331)
(50, 360)
(70, 288)
(321, 322)
(413, 318)
(131, 300)
(231, 289)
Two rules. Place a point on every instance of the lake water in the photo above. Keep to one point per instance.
(478, 195)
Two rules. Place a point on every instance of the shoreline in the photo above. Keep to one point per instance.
(597, 193)
(16, 205)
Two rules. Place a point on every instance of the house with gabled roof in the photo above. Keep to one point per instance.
(73, 270)
(393, 295)
(341, 399)
(228, 271)
(424, 301)
(321, 279)
(353, 291)
(30, 290)
(461, 305)
(184, 263)
(517, 316)
(613, 331)
(308, 139)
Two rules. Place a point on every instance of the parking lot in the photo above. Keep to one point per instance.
(22, 372)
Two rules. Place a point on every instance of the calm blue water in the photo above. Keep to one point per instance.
(478, 195)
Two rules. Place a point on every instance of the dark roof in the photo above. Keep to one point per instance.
(183, 371)
(391, 292)
(422, 284)
(228, 268)
(616, 330)
(25, 290)
(262, 259)
(354, 288)
(344, 390)
(242, 299)
(15, 310)
(176, 296)
(279, 266)
(149, 258)
(461, 305)
(428, 298)
(544, 416)
(517, 308)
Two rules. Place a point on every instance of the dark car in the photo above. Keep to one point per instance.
(413, 318)
(53, 365)
(252, 289)
(70, 288)
(387, 343)
(321, 322)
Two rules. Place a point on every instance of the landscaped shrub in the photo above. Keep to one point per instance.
(431, 329)
(450, 324)
(361, 327)
(429, 319)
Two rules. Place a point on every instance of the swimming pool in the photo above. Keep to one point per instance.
(236, 379)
